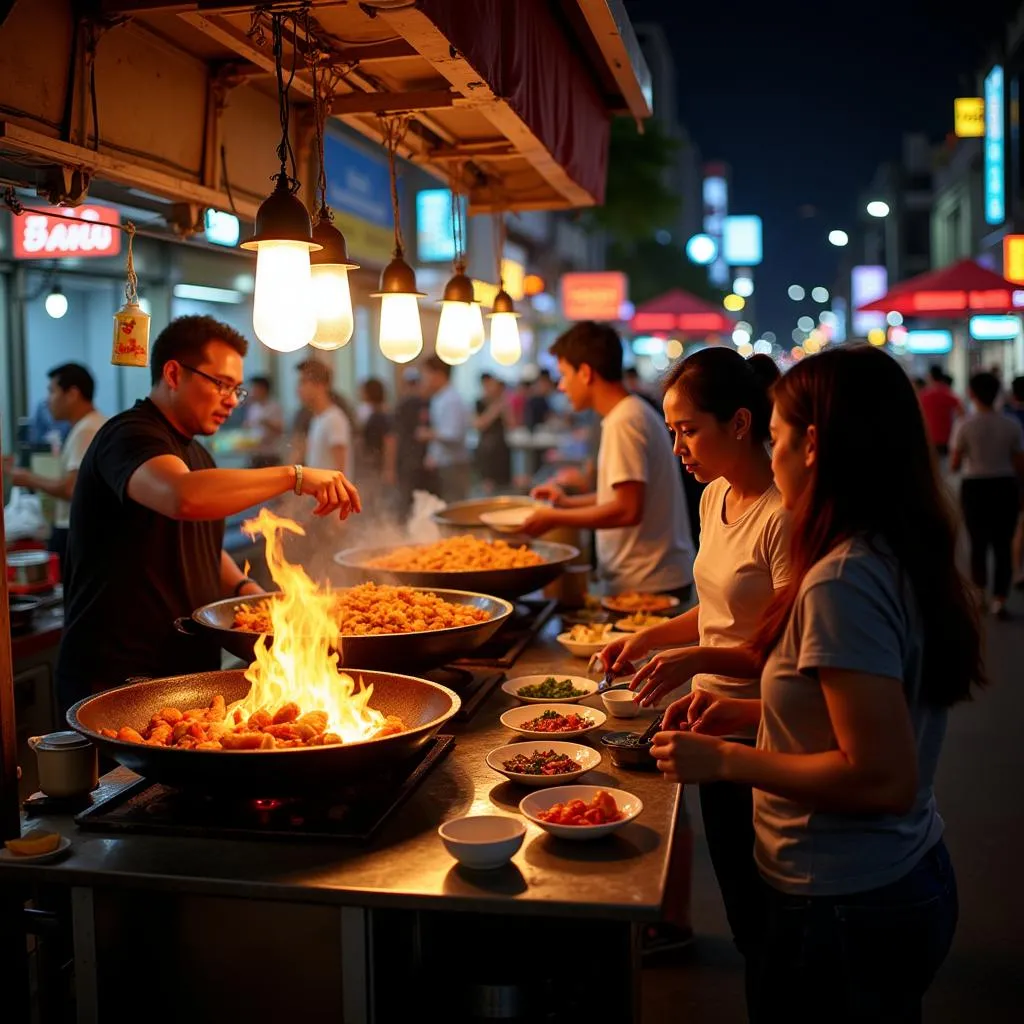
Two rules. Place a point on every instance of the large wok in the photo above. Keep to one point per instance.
(460, 517)
(422, 705)
(386, 652)
(507, 583)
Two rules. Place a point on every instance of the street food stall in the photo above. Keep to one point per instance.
(287, 856)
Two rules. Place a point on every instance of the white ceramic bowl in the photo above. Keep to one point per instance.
(516, 718)
(629, 806)
(620, 703)
(587, 650)
(513, 686)
(586, 757)
(482, 841)
(508, 520)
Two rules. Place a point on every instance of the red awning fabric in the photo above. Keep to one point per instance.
(679, 313)
(955, 291)
(526, 58)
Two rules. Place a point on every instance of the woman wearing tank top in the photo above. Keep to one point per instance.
(861, 655)
(717, 406)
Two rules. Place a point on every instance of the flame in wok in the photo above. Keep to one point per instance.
(301, 665)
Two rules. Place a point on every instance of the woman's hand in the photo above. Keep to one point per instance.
(704, 712)
(688, 756)
(664, 673)
(620, 655)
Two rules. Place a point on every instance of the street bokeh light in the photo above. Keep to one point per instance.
(838, 238)
(819, 294)
(795, 292)
(876, 336)
(743, 286)
(878, 208)
(733, 302)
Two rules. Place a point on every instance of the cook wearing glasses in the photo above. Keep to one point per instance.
(146, 540)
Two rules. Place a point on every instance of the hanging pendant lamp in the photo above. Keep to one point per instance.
(401, 334)
(283, 315)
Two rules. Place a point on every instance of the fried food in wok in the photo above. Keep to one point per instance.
(372, 610)
(465, 553)
(217, 728)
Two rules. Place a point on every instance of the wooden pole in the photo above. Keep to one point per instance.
(13, 951)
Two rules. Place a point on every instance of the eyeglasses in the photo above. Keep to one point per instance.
(223, 387)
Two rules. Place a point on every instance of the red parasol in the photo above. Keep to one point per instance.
(679, 314)
(955, 291)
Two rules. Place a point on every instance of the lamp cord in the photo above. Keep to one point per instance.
(285, 153)
(393, 130)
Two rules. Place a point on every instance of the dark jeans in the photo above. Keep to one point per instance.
(58, 544)
(864, 958)
(727, 809)
(990, 509)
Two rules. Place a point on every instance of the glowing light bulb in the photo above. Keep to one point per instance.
(453, 333)
(401, 336)
(477, 334)
(506, 349)
(56, 304)
(283, 312)
(332, 301)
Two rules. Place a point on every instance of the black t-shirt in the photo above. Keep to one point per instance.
(411, 412)
(132, 571)
(371, 450)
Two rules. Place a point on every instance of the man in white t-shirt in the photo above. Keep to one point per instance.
(329, 436)
(69, 398)
(447, 455)
(639, 509)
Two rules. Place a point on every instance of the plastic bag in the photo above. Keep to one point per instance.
(23, 517)
(421, 528)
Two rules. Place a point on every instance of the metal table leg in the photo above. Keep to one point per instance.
(357, 965)
(83, 924)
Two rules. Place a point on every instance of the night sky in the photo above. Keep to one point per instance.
(804, 101)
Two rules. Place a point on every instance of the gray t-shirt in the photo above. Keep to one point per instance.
(988, 441)
(853, 613)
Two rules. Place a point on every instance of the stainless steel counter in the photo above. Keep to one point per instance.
(330, 917)
(406, 865)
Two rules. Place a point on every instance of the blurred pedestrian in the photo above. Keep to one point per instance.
(329, 441)
(411, 413)
(263, 418)
(376, 445)
(493, 455)
(941, 407)
(69, 399)
(447, 454)
(988, 449)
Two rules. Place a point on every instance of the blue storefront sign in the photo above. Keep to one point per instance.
(357, 182)
(359, 193)
(995, 150)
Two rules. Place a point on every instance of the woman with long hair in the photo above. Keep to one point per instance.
(861, 656)
(717, 407)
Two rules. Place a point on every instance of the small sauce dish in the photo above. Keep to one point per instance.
(483, 841)
(620, 703)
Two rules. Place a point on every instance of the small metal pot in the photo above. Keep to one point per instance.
(67, 762)
(29, 566)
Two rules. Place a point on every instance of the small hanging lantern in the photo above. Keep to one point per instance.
(455, 327)
(131, 323)
(506, 348)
